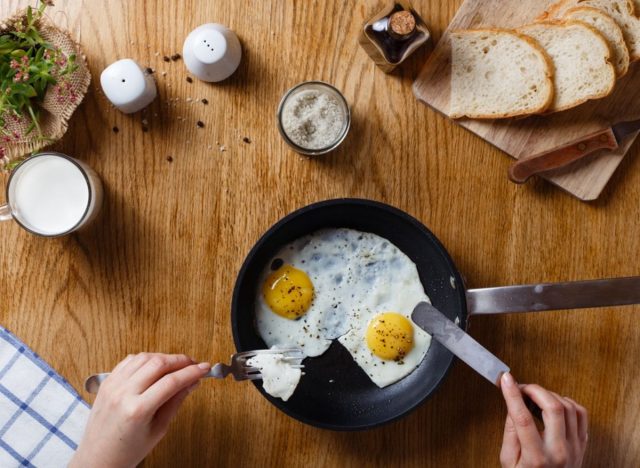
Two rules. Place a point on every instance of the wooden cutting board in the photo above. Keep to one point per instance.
(524, 137)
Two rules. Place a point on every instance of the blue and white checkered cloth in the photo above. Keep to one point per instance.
(42, 418)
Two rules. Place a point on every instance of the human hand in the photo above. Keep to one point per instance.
(134, 407)
(564, 439)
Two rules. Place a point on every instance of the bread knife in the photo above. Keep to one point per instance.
(456, 340)
(611, 138)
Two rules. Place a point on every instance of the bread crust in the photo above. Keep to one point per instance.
(550, 70)
(553, 11)
(599, 37)
(577, 9)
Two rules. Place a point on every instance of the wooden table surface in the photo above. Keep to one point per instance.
(156, 271)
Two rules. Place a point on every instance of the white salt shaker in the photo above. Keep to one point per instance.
(128, 86)
(212, 52)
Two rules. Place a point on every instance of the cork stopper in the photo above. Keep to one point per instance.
(402, 23)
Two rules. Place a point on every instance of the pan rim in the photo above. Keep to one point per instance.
(302, 212)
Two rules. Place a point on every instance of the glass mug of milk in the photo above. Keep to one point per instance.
(51, 194)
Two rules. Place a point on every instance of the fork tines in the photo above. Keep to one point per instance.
(289, 353)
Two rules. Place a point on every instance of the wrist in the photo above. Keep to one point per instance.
(81, 459)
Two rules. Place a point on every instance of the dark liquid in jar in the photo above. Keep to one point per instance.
(394, 47)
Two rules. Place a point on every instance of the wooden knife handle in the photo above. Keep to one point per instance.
(522, 170)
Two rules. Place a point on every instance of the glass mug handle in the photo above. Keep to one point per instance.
(5, 213)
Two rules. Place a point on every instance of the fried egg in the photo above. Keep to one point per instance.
(347, 285)
(280, 377)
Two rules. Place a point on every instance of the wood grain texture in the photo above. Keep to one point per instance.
(521, 138)
(156, 271)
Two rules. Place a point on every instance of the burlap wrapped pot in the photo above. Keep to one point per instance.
(54, 113)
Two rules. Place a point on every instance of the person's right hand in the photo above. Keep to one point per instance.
(564, 439)
(134, 407)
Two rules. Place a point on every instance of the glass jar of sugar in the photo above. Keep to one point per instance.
(314, 118)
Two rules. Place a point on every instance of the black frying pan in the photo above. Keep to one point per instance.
(335, 392)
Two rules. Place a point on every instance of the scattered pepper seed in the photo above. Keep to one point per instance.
(175, 57)
(145, 122)
(116, 129)
(189, 79)
(200, 123)
(166, 59)
(149, 70)
(204, 101)
(170, 158)
(247, 140)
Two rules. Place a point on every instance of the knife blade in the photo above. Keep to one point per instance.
(458, 342)
(610, 138)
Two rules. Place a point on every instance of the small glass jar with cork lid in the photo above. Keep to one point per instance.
(393, 35)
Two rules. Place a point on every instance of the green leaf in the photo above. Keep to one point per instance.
(41, 87)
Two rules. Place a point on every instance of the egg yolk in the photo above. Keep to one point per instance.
(390, 336)
(288, 292)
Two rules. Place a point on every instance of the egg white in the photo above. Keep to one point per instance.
(356, 276)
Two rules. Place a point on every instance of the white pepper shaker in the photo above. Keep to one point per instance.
(128, 86)
(212, 52)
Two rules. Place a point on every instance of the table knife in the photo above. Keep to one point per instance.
(611, 138)
(456, 340)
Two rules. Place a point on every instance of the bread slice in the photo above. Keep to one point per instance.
(611, 32)
(498, 74)
(623, 13)
(581, 59)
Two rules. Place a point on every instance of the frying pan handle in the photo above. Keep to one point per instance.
(554, 296)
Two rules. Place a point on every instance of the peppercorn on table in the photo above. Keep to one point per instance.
(192, 182)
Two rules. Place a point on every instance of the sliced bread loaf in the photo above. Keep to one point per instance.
(498, 74)
(623, 13)
(611, 32)
(581, 59)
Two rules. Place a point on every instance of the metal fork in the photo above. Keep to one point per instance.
(238, 367)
